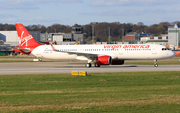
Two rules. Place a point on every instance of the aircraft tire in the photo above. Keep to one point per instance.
(88, 65)
(95, 65)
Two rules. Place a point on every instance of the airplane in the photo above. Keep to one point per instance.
(108, 54)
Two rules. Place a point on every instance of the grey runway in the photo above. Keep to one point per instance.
(64, 67)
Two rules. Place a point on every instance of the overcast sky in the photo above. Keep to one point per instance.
(70, 12)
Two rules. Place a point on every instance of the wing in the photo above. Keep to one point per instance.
(91, 56)
(71, 52)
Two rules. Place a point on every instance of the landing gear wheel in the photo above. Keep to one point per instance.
(88, 65)
(95, 65)
(155, 63)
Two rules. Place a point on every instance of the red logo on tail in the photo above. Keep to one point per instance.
(24, 40)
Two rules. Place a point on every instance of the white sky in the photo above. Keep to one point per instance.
(70, 12)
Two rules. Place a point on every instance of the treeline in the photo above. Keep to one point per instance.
(101, 32)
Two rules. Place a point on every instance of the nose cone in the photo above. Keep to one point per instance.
(172, 54)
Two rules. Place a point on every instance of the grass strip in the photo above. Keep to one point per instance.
(99, 92)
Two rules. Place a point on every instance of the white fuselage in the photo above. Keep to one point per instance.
(122, 52)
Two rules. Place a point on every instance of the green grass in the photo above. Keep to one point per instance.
(102, 92)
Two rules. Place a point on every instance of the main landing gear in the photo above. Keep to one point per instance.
(89, 65)
(155, 63)
(95, 65)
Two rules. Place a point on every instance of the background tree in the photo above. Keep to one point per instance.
(161, 29)
(101, 32)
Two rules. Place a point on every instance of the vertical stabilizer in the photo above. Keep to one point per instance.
(25, 38)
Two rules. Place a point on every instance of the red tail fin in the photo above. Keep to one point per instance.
(25, 38)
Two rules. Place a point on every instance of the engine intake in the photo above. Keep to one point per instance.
(103, 60)
(107, 60)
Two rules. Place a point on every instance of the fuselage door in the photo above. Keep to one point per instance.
(154, 50)
(120, 51)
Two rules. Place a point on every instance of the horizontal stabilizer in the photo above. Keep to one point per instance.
(26, 50)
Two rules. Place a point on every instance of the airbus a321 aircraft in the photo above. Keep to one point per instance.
(114, 54)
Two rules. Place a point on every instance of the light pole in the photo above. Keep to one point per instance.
(122, 36)
(92, 33)
(109, 35)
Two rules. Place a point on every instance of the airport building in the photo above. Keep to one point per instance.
(10, 38)
(172, 39)
(134, 38)
(131, 38)
(64, 38)
(174, 36)
(162, 39)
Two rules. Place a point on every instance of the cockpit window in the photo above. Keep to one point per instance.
(163, 49)
(167, 48)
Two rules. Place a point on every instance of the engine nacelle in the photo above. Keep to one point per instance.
(117, 62)
(103, 60)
